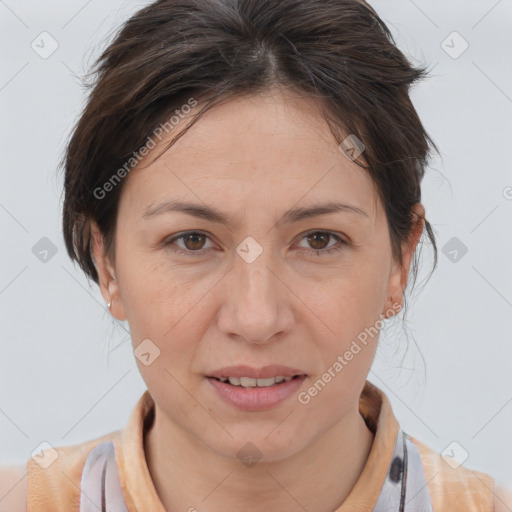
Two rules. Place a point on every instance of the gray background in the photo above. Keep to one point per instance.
(67, 371)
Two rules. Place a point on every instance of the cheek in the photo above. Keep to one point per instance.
(346, 340)
(345, 314)
(350, 301)
(154, 299)
(170, 313)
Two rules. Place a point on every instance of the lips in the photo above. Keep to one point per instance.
(256, 389)
(256, 398)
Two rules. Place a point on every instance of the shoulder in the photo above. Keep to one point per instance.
(13, 489)
(452, 485)
(54, 475)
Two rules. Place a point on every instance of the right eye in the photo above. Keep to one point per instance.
(193, 241)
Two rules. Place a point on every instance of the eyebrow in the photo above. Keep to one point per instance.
(292, 215)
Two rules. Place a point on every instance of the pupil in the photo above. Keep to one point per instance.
(313, 236)
(191, 237)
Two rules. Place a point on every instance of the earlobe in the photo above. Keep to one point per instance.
(400, 273)
(393, 307)
(108, 283)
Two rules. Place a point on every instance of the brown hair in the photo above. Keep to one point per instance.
(339, 51)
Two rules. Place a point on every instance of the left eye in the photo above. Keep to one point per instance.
(191, 239)
(315, 236)
(194, 242)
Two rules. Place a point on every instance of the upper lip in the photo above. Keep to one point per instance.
(256, 373)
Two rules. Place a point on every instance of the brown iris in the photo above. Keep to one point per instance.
(316, 236)
(193, 237)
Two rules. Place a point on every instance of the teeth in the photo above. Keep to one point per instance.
(248, 382)
(235, 381)
(262, 383)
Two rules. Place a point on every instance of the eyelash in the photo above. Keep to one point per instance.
(316, 252)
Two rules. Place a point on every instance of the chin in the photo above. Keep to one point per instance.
(251, 446)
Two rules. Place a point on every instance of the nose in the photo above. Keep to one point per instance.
(257, 304)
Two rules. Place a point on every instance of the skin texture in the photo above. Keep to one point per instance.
(253, 158)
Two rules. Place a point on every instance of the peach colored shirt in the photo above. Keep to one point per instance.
(57, 488)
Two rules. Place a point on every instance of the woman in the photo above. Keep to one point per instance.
(244, 187)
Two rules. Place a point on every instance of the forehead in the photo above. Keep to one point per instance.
(270, 149)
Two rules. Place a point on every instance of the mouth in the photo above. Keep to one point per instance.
(249, 389)
(250, 382)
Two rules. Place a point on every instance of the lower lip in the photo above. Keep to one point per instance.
(256, 399)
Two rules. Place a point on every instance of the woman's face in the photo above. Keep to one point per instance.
(270, 284)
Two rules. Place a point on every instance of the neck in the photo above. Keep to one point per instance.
(187, 474)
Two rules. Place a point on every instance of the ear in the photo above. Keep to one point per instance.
(400, 273)
(109, 285)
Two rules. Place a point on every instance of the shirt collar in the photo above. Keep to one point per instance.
(140, 494)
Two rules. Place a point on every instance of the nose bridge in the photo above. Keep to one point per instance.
(257, 304)
(253, 263)
(256, 281)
